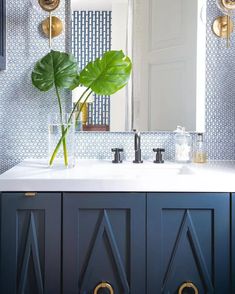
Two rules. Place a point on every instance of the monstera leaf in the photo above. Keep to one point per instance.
(57, 69)
(108, 74)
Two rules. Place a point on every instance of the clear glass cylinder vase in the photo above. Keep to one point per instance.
(61, 130)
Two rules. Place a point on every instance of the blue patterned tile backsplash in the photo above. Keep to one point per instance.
(91, 37)
(220, 91)
(98, 145)
(24, 110)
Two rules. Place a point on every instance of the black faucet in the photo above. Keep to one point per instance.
(137, 148)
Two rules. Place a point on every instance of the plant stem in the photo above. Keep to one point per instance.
(68, 126)
(77, 103)
(62, 127)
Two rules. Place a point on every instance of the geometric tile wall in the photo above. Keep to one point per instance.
(91, 38)
(24, 110)
(99, 144)
(220, 92)
(91, 35)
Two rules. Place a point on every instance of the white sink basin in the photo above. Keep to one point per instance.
(129, 170)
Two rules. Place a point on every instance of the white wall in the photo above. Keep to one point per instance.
(91, 5)
(119, 42)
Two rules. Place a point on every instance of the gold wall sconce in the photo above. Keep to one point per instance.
(228, 4)
(49, 5)
(51, 26)
(223, 25)
(56, 27)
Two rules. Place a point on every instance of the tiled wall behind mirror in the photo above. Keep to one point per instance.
(91, 37)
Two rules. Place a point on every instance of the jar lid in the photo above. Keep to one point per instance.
(180, 130)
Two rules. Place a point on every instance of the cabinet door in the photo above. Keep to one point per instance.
(233, 242)
(2, 34)
(188, 241)
(30, 243)
(104, 241)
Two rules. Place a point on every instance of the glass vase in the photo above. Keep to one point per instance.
(61, 140)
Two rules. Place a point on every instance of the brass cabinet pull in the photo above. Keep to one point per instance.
(187, 285)
(30, 194)
(104, 285)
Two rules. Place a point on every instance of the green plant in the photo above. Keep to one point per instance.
(104, 76)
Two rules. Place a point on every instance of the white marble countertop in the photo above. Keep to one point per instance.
(102, 175)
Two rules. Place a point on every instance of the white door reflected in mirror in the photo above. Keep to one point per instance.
(169, 58)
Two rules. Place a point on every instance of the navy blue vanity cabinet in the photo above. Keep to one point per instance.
(188, 242)
(30, 243)
(2, 34)
(104, 243)
(233, 242)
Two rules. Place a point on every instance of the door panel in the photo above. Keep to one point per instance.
(104, 241)
(188, 240)
(30, 244)
(169, 57)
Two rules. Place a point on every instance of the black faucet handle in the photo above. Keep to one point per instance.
(117, 155)
(159, 155)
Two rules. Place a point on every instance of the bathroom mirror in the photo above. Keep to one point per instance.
(167, 44)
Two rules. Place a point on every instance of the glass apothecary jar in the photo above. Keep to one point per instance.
(183, 145)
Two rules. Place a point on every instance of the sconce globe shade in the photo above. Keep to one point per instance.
(37, 7)
(203, 13)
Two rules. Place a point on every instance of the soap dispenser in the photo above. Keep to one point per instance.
(199, 154)
(183, 145)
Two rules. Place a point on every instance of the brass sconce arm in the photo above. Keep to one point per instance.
(52, 26)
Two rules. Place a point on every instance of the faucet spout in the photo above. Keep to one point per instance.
(137, 141)
(137, 147)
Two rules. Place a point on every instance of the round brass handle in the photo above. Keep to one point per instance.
(104, 285)
(187, 285)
